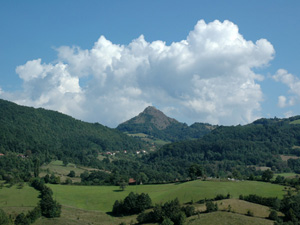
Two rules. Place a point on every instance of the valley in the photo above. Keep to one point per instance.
(82, 169)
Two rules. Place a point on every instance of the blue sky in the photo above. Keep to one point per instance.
(197, 61)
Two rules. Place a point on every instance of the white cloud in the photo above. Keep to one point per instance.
(282, 101)
(207, 77)
(293, 83)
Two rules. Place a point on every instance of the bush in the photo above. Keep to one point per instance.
(249, 213)
(273, 215)
(167, 221)
(170, 211)
(71, 174)
(3, 218)
(188, 210)
(49, 207)
(211, 207)
(34, 214)
(21, 219)
(132, 204)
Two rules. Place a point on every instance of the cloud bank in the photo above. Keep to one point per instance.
(208, 77)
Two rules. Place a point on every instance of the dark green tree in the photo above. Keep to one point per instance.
(167, 221)
(72, 173)
(267, 175)
(123, 185)
(195, 171)
(21, 219)
(211, 207)
(273, 215)
(36, 170)
(49, 207)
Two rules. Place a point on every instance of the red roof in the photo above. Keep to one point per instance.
(131, 180)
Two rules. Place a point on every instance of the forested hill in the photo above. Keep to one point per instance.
(155, 123)
(260, 143)
(50, 134)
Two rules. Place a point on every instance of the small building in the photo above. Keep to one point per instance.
(131, 181)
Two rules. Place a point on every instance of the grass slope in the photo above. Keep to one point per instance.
(226, 218)
(102, 198)
(62, 171)
(72, 216)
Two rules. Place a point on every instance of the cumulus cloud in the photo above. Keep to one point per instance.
(207, 77)
(293, 83)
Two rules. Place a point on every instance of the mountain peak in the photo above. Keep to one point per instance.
(152, 117)
(155, 123)
(150, 109)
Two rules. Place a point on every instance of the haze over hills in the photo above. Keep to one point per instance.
(155, 123)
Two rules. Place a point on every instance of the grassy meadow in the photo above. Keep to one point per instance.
(295, 122)
(90, 204)
(14, 200)
(102, 198)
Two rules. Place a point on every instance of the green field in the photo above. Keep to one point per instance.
(89, 204)
(102, 198)
(295, 122)
(15, 200)
(286, 175)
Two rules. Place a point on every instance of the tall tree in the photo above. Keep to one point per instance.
(36, 170)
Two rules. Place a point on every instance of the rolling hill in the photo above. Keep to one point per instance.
(53, 135)
(238, 149)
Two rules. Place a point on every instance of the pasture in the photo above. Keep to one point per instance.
(90, 204)
(14, 200)
(102, 198)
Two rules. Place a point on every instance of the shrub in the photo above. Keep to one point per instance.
(273, 215)
(249, 213)
(3, 218)
(167, 221)
(132, 204)
(71, 174)
(21, 219)
(211, 207)
(188, 210)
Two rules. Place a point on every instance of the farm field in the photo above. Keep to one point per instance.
(102, 198)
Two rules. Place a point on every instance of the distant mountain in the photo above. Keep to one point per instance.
(155, 123)
(53, 135)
